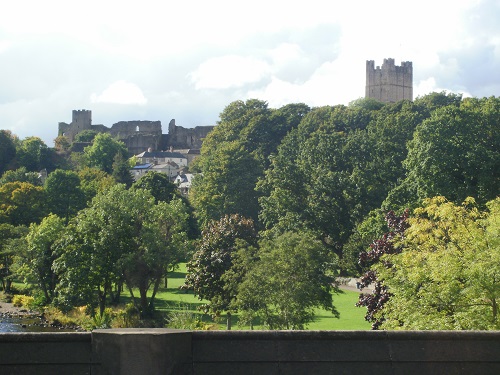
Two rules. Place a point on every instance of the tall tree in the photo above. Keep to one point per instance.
(40, 255)
(294, 276)
(227, 185)
(214, 258)
(122, 236)
(9, 236)
(121, 170)
(312, 183)
(455, 153)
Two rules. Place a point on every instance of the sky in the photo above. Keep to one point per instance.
(187, 60)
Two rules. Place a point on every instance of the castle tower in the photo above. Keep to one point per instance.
(389, 83)
(82, 120)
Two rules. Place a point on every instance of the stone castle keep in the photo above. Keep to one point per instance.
(138, 136)
(389, 83)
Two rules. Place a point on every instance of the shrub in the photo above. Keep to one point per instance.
(20, 300)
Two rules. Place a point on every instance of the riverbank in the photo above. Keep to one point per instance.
(8, 309)
(20, 319)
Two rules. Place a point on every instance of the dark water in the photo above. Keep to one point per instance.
(25, 324)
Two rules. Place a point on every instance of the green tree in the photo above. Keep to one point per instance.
(227, 185)
(9, 236)
(85, 136)
(235, 154)
(21, 175)
(40, 254)
(64, 195)
(123, 236)
(214, 258)
(159, 185)
(93, 181)
(121, 170)
(61, 143)
(163, 190)
(21, 203)
(102, 152)
(7, 150)
(33, 154)
(454, 153)
(292, 278)
(312, 181)
(448, 274)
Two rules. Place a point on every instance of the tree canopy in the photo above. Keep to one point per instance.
(448, 273)
(294, 275)
(102, 152)
(122, 236)
(214, 258)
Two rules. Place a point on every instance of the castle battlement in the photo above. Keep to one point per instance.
(389, 83)
(138, 135)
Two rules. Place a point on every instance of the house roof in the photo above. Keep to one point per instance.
(160, 154)
(143, 166)
(169, 164)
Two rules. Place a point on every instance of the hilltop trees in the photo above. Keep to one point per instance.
(455, 153)
(7, 150)
(102, 152)
(21, 203)
(235, 154)
(33, 154)
(64, 194)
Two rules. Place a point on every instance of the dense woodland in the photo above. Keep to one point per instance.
(285, 202)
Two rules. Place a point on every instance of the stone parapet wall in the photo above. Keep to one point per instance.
(45, 353)
(165, 351)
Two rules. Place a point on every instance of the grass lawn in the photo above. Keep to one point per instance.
(351, 317)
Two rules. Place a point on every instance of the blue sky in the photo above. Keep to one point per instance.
(159, 60)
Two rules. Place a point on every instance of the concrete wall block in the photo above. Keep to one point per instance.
(46, 369)
(435, 346)
(237, 368)
(335, 368)
(235, 350)
(138, 351)
(44, 348)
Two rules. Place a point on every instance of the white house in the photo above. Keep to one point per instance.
(161, 157)
(183, 182)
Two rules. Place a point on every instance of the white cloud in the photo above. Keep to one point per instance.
(191, 59)
(120, 92)
(229, 72)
